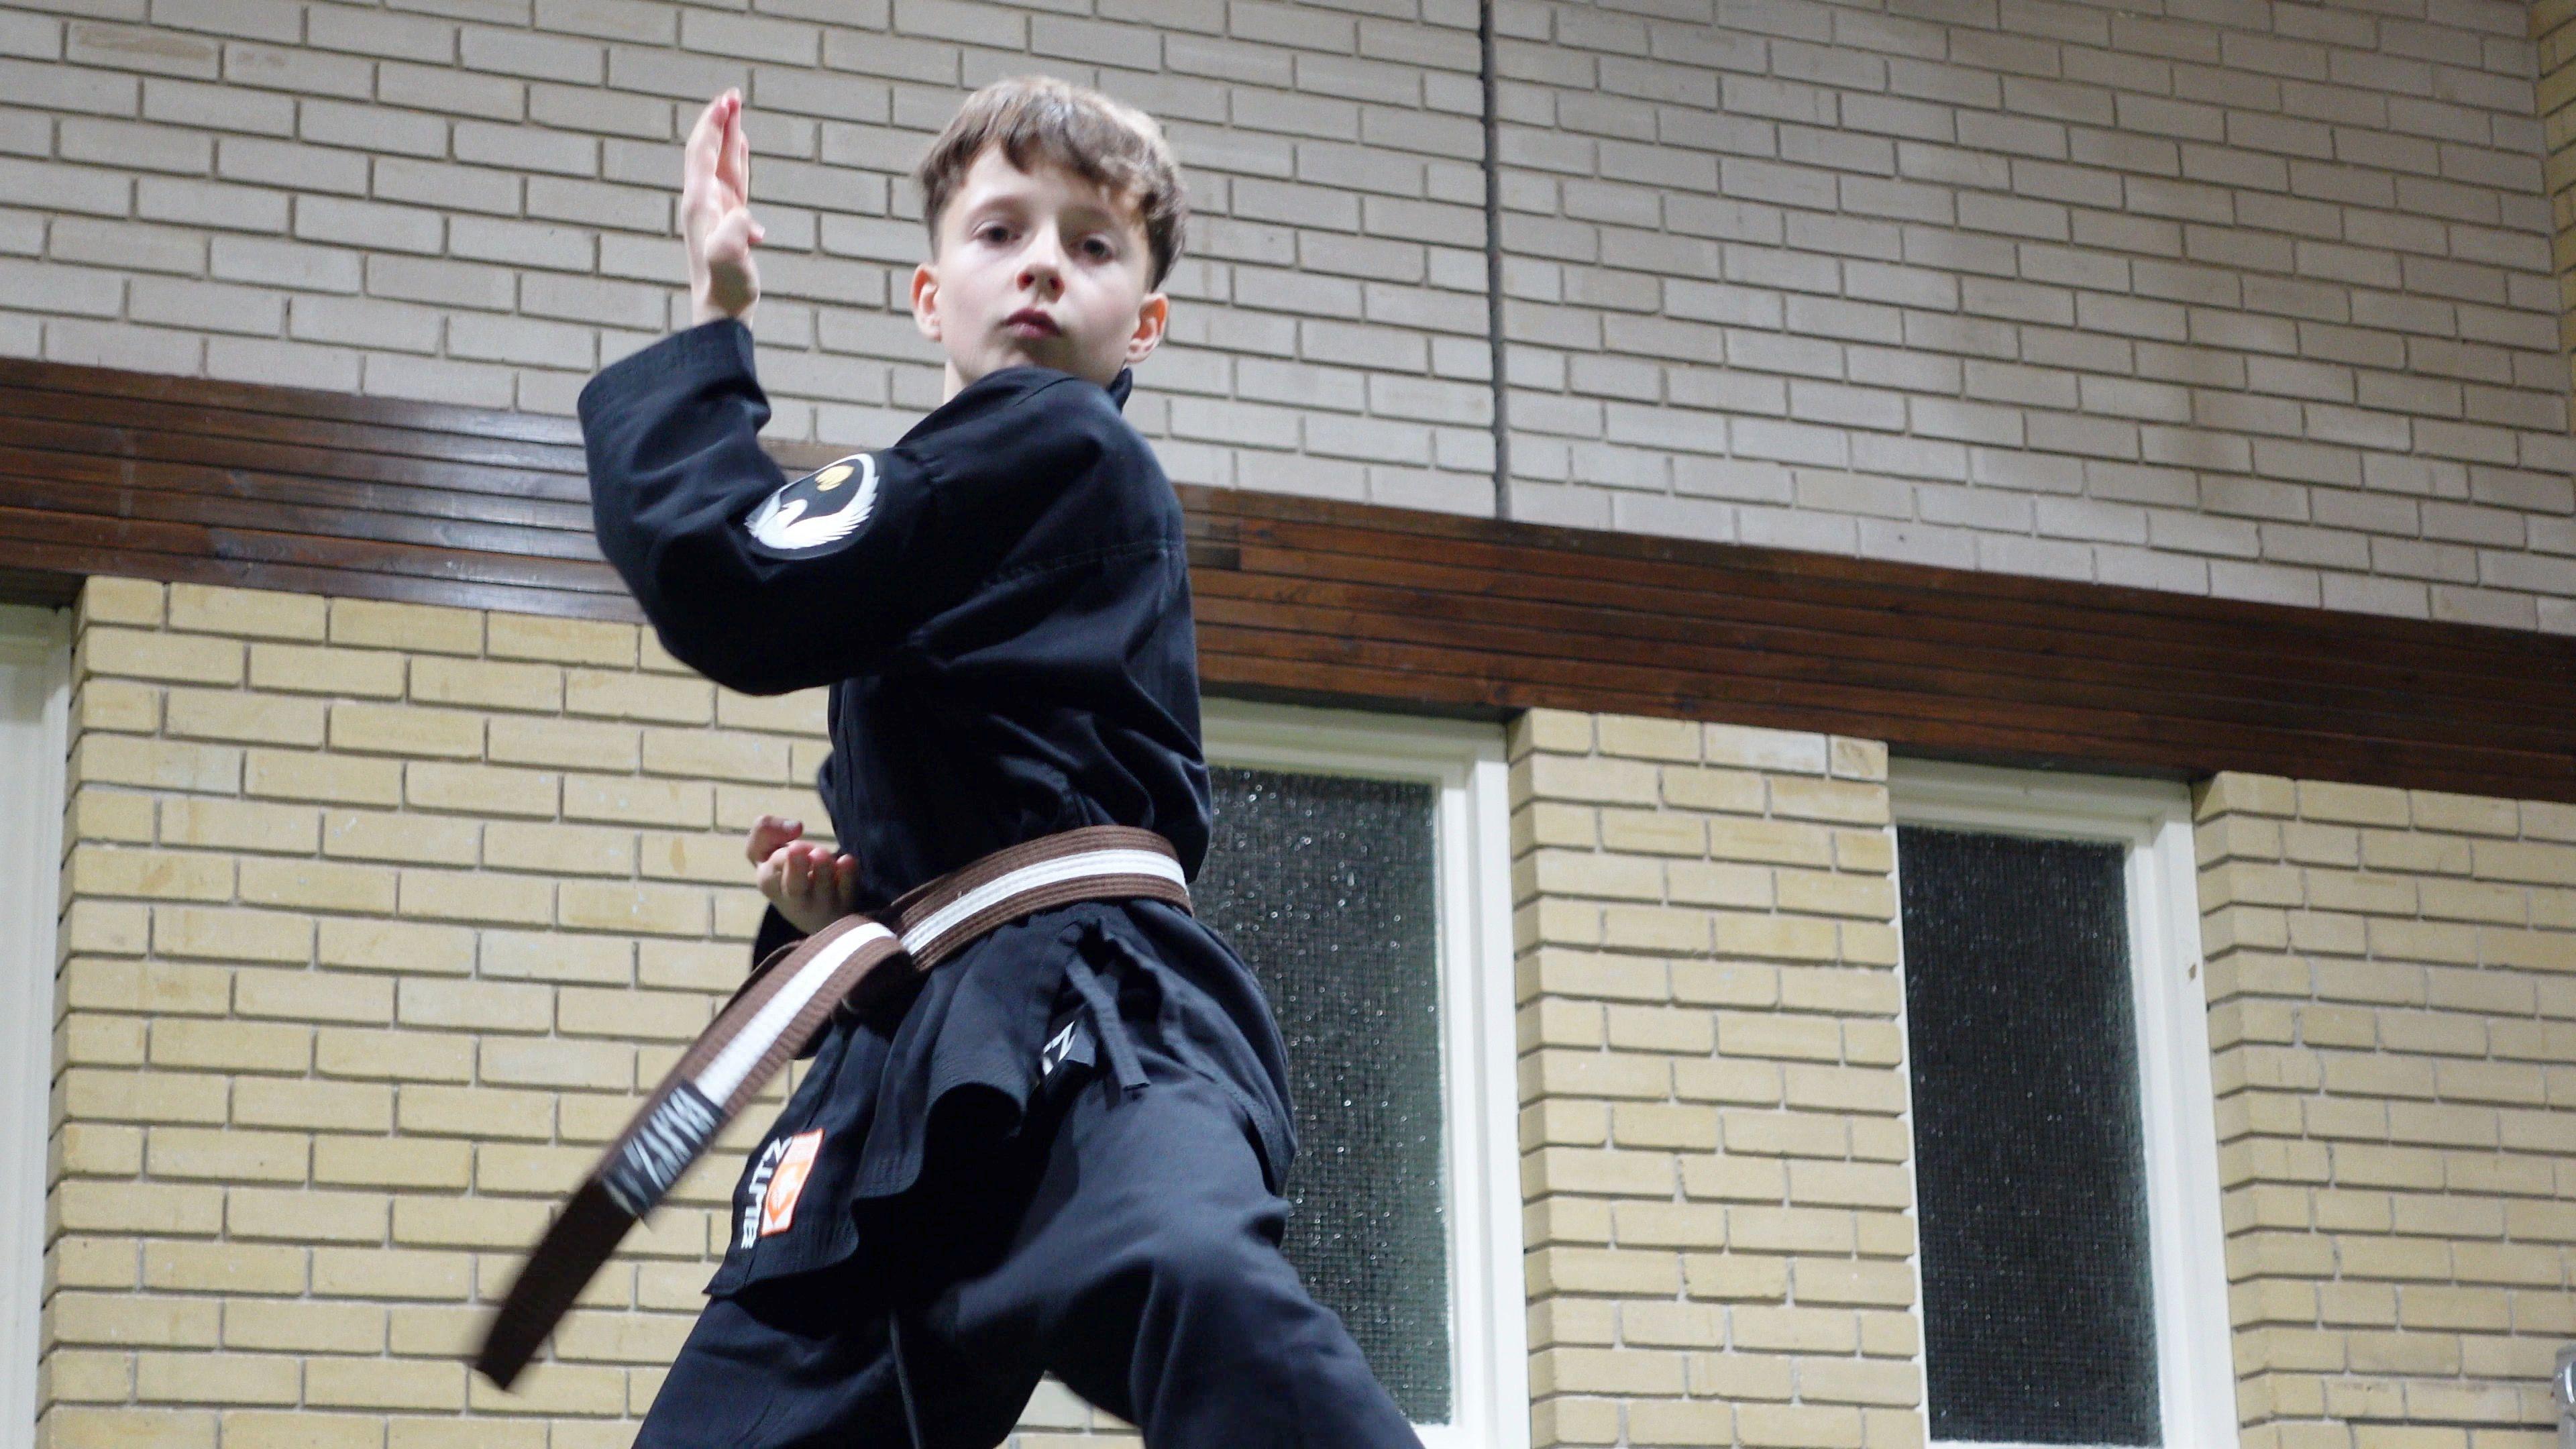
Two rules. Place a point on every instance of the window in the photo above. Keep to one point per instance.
(34, 693)
(2066, 1170)
(1360, 866)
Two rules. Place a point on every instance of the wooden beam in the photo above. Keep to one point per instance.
(185, 479)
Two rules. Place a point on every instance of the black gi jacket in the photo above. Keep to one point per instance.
(1000, 602)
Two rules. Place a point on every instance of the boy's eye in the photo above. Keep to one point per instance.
(1098, 247)
(992, 231)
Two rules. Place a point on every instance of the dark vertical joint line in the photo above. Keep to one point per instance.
(1494, 268)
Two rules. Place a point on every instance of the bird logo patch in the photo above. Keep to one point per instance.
(818, 511)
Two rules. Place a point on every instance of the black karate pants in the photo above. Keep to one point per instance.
(1127, 1243)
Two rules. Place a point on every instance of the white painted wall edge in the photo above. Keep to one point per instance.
(35, 716)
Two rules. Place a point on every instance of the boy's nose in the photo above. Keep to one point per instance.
(1043, 268)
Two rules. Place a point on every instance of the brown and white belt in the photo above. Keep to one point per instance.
(855, 961)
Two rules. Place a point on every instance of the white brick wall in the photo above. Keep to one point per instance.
(2246, 297)
(472, 203)
(2553, 28)
(2237, 297)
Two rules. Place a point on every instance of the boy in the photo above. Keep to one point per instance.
(1062, 1148)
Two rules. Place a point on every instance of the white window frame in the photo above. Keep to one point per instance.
(2195, 1374)
(1488, 1300)
(35, 718)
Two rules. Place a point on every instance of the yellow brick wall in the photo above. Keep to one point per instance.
(2392, 980)
(378, 919)
(1714, 1156)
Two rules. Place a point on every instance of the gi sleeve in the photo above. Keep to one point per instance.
(766, 584)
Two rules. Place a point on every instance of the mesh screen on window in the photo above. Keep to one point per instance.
(1326, 885)
(2038, 1304)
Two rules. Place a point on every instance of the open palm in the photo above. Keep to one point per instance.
(715, 213)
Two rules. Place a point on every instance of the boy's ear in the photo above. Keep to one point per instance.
(925, 300)
(1153, 315)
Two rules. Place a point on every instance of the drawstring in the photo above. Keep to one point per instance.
(1103, 1011)
(902, 1378)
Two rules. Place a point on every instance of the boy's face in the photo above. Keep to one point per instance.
(1037, 267)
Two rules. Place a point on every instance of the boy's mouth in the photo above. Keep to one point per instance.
(1030, 322)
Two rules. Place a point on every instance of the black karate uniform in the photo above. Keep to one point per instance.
(1063, 1149)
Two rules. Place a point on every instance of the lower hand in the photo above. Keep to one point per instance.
(810, 885)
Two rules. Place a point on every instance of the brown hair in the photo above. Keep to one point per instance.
(1108, 143)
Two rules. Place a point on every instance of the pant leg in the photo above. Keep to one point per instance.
(792, 1362)
(808, 1360)
(1146, 1273)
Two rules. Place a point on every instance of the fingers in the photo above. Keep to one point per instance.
(704, 154)
(736, 174)
(808, 883)
(735, 167)
(785, 870)
(800, 868)
(731, 239)
(767, 834)
(715, 220)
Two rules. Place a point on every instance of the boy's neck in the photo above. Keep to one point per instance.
(953, 383)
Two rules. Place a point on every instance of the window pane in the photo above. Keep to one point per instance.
(1326, 885)
(2038, 1305)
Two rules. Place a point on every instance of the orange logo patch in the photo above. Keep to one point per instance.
(778, 1209)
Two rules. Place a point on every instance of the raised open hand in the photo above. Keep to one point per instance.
(715, 213)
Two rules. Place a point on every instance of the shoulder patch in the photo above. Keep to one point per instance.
(818, 511)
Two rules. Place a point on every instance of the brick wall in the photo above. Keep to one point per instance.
(2245, 299)
(395, 200)
(2553, 27)
(1715, 1156)
(378, 919)
(1715, 1146)
(2394, 1029)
